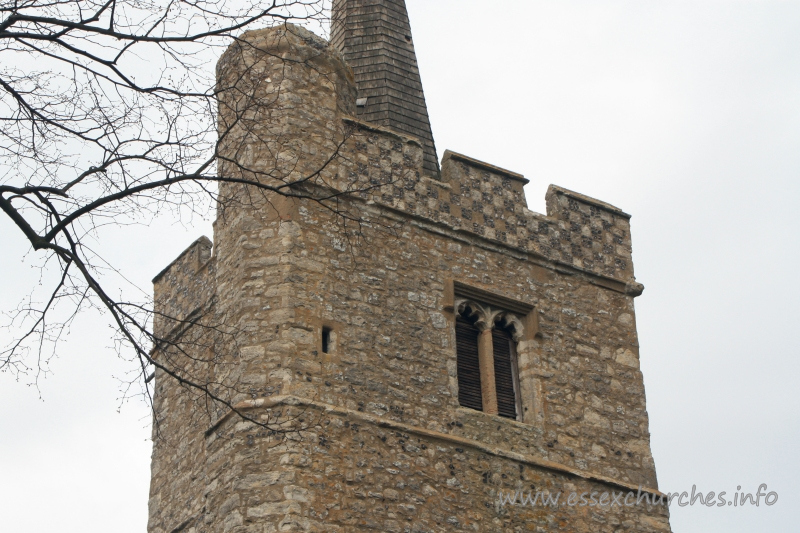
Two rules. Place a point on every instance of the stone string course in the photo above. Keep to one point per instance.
(338, 459)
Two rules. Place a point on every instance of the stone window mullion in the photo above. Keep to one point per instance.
(486, 362)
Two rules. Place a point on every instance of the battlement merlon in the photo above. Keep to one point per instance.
(184, 287)
(599, 234)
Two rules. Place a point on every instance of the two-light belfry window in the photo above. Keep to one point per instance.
(486, 359)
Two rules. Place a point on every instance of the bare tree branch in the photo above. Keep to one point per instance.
(108, 116)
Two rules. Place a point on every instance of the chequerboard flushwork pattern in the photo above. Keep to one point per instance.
(375, 38)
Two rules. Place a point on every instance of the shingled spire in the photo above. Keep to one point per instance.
(375, 38)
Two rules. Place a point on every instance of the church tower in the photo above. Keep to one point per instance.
(386, 343)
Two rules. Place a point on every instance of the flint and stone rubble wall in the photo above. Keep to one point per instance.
(370, 436)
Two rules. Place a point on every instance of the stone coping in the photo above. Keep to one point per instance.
(370, 126)
(448, 154)
(532, 460)
(202, 240)
(555, 189)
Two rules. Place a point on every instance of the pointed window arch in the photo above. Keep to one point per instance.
(486, 340)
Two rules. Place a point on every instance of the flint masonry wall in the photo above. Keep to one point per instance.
(184, 297)
(369, 436)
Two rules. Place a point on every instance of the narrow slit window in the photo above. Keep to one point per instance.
(469, 373)
(505, 374)
(326, 340)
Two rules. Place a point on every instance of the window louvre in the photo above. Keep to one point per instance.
(505, 381)
(469, 373)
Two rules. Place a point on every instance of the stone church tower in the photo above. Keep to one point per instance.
(389, 343)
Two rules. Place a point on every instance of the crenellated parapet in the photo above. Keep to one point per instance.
(579, 232)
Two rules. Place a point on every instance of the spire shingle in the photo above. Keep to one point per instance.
(375, 38)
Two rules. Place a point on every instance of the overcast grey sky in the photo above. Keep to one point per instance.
(685, 114)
